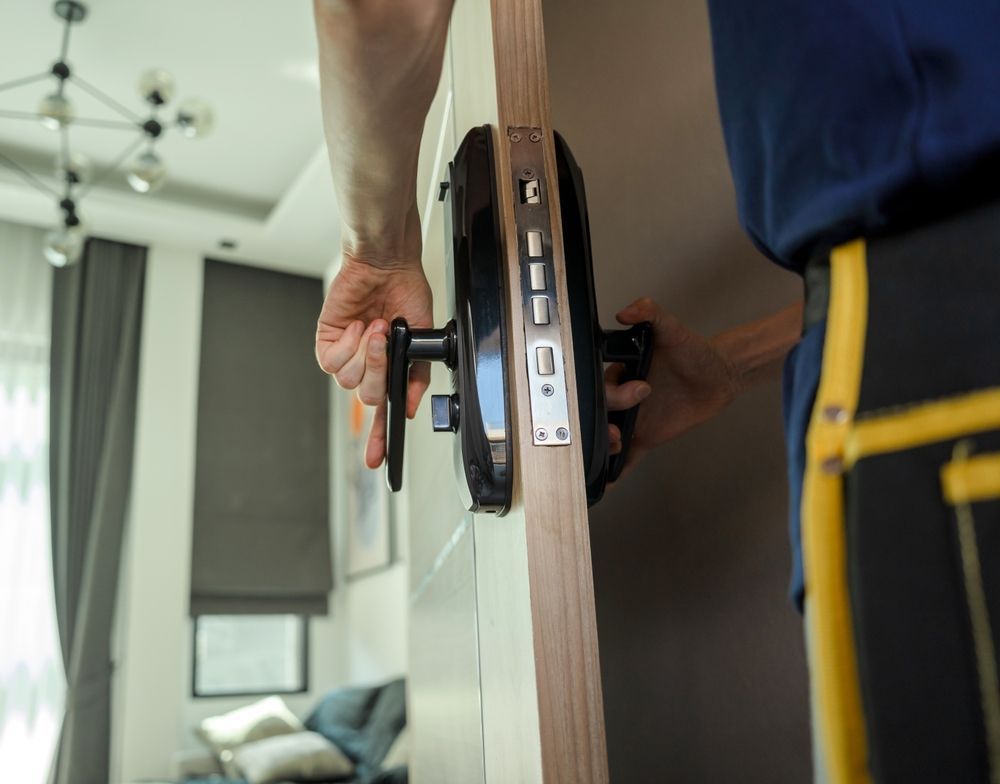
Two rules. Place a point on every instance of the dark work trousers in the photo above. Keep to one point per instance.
(901, 506)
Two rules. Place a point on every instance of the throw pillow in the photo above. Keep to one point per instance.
(387, 718)
(300, 756)
(263, 719)
(340, 717)
(399, 752)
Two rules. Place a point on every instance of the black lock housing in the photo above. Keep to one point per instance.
(473, 345)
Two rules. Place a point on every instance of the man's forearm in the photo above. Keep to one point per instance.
(756, 351)
(380, 62)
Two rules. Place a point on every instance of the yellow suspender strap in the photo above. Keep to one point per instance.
(833, 672)
(973, 479)
(925, 423)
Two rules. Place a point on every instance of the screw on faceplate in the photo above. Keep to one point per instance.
(528, 173)
(541, 434)
(535, 136)
(562, 434)
(515, 137)
(548, 389)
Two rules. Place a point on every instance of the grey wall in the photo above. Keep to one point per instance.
(702, 654)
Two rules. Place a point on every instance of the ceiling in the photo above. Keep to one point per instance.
(260, 179)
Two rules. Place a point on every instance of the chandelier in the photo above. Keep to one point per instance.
(74, 176)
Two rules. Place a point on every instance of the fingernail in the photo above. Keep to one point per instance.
(643, 392)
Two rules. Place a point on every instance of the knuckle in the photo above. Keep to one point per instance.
(324, 361)
(347, 379)
(377, 360)
(369, 396)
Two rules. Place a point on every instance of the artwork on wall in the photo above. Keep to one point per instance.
(369, 540)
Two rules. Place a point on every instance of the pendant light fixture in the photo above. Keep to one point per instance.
(74, 177)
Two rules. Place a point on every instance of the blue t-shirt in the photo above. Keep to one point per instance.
(798, 393)
(845, 118)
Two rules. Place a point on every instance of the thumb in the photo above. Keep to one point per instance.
(669, 330)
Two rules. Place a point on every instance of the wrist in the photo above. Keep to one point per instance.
(736, 369)
(387, 244)
(755, 352)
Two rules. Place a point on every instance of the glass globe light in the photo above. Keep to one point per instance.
(56, 111)
(147, 173)
(64, 246)
(156, 86)
(76, 171)
(195, 118)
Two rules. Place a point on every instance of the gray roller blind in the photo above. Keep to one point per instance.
(261, 515)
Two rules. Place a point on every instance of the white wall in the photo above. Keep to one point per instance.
(363, 639)
(373, 608)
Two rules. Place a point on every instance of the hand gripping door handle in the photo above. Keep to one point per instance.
(407, 345)
(632, 347)
(473, 345)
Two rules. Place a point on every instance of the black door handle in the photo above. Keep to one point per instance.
(633, 347)
(407, 345)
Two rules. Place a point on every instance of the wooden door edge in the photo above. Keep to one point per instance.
(564, 622)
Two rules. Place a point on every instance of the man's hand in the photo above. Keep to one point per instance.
(689, 382)
(693, 378)
(352, 329)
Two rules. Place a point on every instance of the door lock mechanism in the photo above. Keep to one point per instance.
(474, 344)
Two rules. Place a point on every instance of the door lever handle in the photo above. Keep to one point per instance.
(633, 347)
(404, 346)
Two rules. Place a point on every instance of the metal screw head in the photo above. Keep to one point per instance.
(832, 465)
(541, 434)
(562, 434)
(515, 137)
(548, 390)
(535, 136)
(529, 173)
(835, 414)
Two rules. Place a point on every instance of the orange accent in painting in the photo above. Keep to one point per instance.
(357, 416)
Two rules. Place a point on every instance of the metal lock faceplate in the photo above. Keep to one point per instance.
(542, 335)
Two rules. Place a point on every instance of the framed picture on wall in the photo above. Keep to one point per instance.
(369, 538)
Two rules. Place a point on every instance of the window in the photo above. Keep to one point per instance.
(32, 685)
(250, 654)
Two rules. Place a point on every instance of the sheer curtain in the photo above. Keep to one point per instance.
(32, 685)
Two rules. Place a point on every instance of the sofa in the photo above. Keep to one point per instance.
(362, 722)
